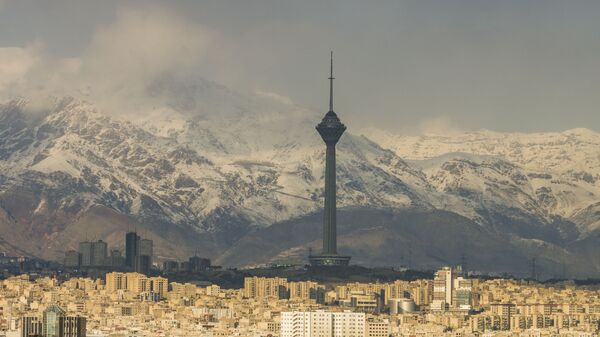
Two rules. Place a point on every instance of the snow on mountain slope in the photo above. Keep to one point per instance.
(552, 173)
(217, 164)
(209, 173)
(571, 150)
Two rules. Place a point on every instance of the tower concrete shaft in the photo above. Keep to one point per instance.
(329, 216)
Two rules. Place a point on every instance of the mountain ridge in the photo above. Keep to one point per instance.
(223, 177)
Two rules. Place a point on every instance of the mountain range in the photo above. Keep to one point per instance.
(239, 178)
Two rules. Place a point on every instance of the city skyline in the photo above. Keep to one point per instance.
(449, 304)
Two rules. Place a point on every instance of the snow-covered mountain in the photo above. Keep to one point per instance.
(555, 174)
(209, 167)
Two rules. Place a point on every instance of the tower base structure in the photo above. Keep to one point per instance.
(325, 260)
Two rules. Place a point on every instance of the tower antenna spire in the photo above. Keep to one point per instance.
(331, 78)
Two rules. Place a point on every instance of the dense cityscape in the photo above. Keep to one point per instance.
(452, 304)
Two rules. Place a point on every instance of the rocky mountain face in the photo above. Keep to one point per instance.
(240, 179)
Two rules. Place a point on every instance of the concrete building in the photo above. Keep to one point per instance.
(54, 323)
(92, 254)
(197, 263)
(145, 252)
(377, 327)
(322, 324)
(330, 129)
(116, 259)
(263, 287)
(73, 326)
(159, 286)
(116, 281)
(72, 259)
(442, 289)
(99, 253)
(51, 321)
(131, 243)
(31, 326)
(305, 290)
(85, 250)
(137, 283)
(462, 293)
(402, 306)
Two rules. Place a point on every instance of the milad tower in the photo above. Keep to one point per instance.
(330, 129)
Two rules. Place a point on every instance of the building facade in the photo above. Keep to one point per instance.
(323, 324)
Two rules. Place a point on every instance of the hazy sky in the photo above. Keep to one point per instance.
(507, 65)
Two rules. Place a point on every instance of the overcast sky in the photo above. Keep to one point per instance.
(506, 65)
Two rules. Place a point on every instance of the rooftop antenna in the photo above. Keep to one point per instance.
(331, 78)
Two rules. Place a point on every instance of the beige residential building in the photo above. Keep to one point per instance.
(159, 285)
(116, 281)
(261, 287)
(322, 324)
(137, 283)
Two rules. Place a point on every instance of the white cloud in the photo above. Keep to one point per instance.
(15, 63)
(115, 70)
(141, 46)
(441, 125)
(275, 96)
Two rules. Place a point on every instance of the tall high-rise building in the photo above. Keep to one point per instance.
(51, 321)
(138, 253)
(54, 323)
(143, 262)
(331, 130)
(145, 247)
(442, 289)
(72, 258)
(116, 259)
(462, 296)
(196, 263)
(131, 248)
(92, 254)
(85, 250)
(99, 253)
(451, 291)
